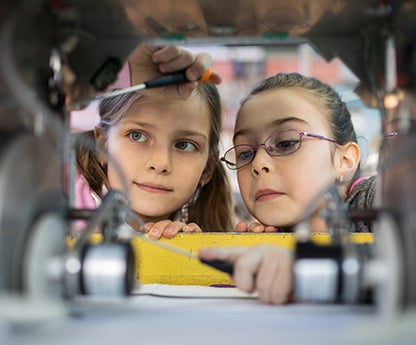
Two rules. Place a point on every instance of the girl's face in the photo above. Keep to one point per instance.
(276, 190)
(162, 148)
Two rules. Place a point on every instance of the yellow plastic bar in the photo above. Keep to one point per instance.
(158, 266)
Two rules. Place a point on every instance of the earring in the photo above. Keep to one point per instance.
(340, 179)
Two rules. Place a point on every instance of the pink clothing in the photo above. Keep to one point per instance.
(354, 183)
(84, 196)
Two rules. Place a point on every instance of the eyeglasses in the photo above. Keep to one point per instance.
(281, 143)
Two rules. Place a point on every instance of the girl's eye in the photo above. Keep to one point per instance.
(186, 146)
(137, 136)
(283, 143)
(244, 154)
(285, 147)
(286, 144)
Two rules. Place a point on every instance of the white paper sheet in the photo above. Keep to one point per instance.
(192, 291)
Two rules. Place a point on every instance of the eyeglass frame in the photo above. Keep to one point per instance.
(255, 147)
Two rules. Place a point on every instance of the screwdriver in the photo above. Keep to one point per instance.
(168, 79)
(220, 265)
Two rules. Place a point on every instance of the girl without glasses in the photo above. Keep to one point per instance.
(165, 142)
(293, 138)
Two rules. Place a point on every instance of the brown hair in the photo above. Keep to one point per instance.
(212, 209)
(339, 116)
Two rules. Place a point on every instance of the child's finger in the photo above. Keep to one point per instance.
(201, 70)
(157, 229)
(269, 228)
(241, 227)
(256, 227)
(191, 227)
(172, 229)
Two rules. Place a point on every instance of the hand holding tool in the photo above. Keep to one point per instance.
(168, 79)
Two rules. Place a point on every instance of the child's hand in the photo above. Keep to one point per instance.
(266, 269)
(149, 62)
(168, 228)
(254, 227)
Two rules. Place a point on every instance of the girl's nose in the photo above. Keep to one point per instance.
(159, 161)
(261, 162)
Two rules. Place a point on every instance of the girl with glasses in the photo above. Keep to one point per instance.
(160, 147)
(293, 138)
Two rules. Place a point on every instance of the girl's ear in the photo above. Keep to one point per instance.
(100, 145)
(347, 161)
(209, 169)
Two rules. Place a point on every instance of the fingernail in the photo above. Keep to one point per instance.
(155, 233)
(155, 58)
(193, 74)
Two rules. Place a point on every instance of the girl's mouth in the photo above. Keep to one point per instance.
(153, 188)
(267, 194)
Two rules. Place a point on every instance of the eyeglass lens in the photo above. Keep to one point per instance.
(278, 144)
